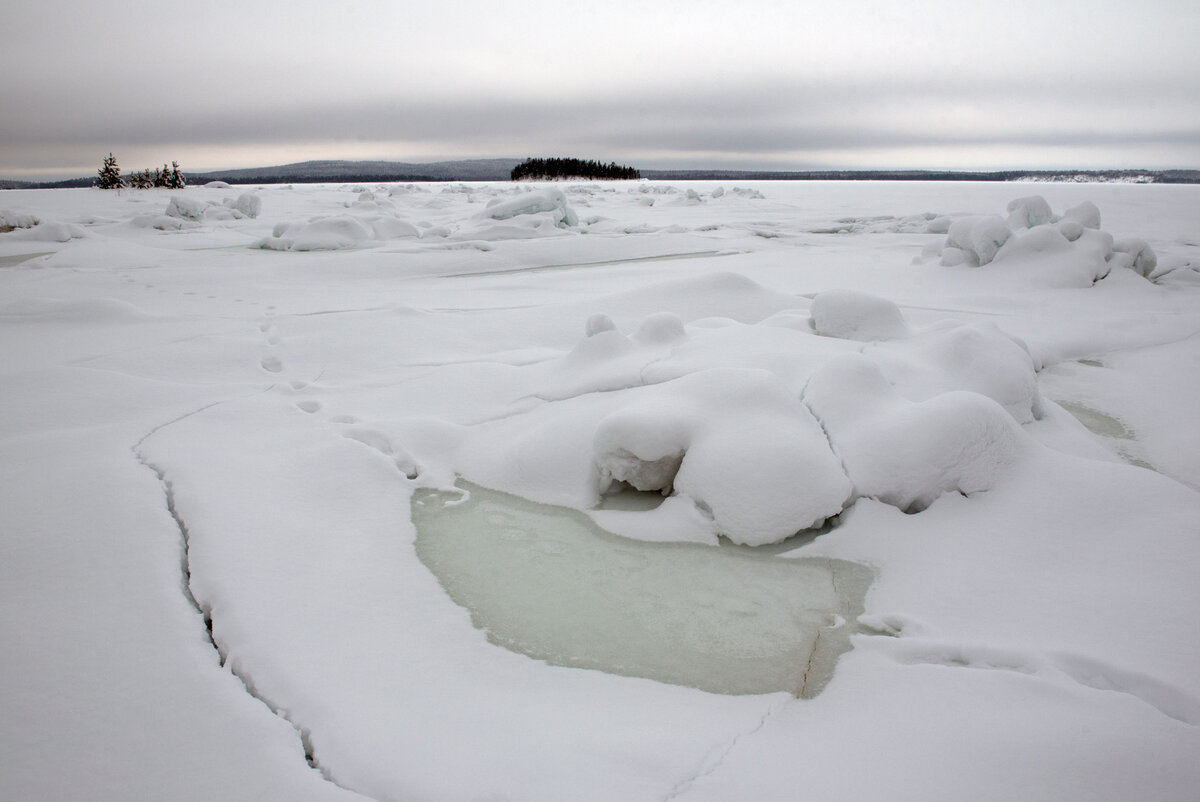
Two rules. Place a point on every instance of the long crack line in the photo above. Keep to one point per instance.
(710, 765)
(205, 611)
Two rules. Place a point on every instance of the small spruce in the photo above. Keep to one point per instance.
(109, 176)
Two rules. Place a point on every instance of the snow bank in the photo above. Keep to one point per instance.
(908, 453)
(736, 443)
(851, 315)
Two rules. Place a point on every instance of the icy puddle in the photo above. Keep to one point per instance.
(547, 582)
(18, 258)
(1121, 440)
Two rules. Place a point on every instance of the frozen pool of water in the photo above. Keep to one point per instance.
(547, 582)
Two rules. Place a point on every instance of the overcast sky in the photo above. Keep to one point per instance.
(757, 84)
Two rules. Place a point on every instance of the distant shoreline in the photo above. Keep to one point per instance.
(324, 172)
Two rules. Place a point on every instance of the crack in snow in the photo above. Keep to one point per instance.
(205, 611)
(716, 756)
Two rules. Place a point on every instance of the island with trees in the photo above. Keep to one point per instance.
(559, 169)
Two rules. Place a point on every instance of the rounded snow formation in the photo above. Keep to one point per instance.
(1070, 251)
(977, 357)
(325, 234)
(1135, 254)
(248, 204)
(907, 453)
(599, 322)
(1086, 214)
(1029, 212)
(186, 208)
(850, 315)
(663, 327)
(51, 231)
(10, 220)
(735, 442)
(538, 201)
(978, 239)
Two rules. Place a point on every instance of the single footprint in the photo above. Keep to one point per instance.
(309, 406)
(272, 364)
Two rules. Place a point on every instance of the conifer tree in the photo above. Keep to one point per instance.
(109, 176)
(176, 181)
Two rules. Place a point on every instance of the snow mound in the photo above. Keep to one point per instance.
(1135, 254)
(907, 453)
(851, 315)
(186, 208)
(1070, 251)
(324, 234)
(391, 227)
(736, 443)
(248, 204)
(550, 200)
(977, 357)
(10, 220)
(51, 231)
(660, 328)
(977, 239)
(1029, 212)
(1086, 214)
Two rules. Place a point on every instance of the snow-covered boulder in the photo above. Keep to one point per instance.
(979, 238)
(249, 204)
(186, 208)
(10, 220)
(1086, 214)
(1029, 212)
(851, 315)
(550, 200)
(907, 453)
(736, 443)
(1135, 254)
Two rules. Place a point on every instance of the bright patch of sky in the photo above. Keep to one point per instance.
(760, 84)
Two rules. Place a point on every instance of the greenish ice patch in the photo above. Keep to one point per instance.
(1119, 438)
(18, 258)
(1096, 421)
(547, 582)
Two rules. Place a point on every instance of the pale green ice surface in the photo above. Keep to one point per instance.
(547, 582)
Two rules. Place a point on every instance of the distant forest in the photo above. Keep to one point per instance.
(551, 169)
(361, 172)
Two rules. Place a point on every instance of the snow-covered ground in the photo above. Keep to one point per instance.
(220, 404)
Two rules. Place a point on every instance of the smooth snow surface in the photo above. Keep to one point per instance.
(221, 404)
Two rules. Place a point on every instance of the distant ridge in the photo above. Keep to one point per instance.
(316, 172)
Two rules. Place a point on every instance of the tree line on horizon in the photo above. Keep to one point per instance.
(109, 176)
(556, 168)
